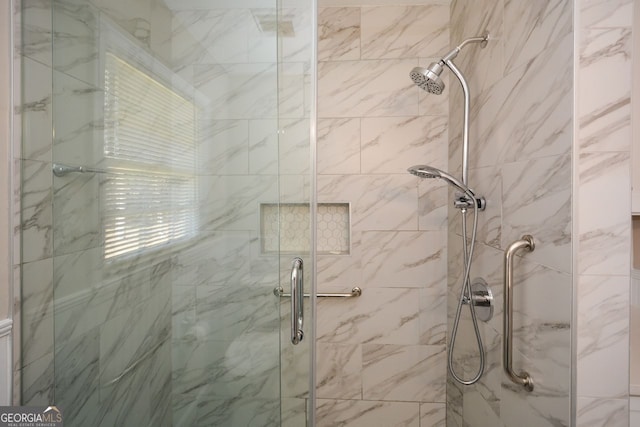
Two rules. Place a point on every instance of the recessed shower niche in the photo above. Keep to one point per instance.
(285, 228)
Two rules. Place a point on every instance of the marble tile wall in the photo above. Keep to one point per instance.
(90, 319)
(230, 332)
(34, 367)
(188, 315)
(521, 161)
(381, 357)
(603, 229)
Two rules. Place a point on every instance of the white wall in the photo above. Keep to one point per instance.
(635, 99)
(5, 197)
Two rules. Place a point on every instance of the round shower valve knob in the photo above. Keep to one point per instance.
(482, 298)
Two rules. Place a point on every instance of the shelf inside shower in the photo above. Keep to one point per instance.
(285, 228)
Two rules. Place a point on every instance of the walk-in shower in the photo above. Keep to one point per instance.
(429, 79)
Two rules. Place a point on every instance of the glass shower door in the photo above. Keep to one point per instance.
(181, 194)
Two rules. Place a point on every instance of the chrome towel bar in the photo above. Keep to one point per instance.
(523, 378)
(355, 292)
(60, 169)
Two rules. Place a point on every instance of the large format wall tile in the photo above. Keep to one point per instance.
(433, 204)
(78, 121)
(403, 373)
(36, 111)
(132, 17)
(223, 147)
(433, 315)
(378, 202)
(37, 382)
(604, 112)
(223, 36)
(338, 33)
(37, 211)
(35, 38)
(380, 316)
(472, 18)
(339, 371)
(521, 139)
(263, 143)
(37, 310)
(366, 88)
(532, 27)
(404, 31)
(603, 227)
(339, 146)
(529, 130)
(375, 123)
(76, 40)
(603, 241)
(606, 13)
(602, 412)
(603, 336)
(76, 210)
(433, 414)
(233, 202)
(295, 46)
(238, 91)
(403, 258)
(361, 413)
(537, 201)
(392, 144)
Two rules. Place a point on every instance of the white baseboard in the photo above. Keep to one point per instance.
(635, 203)
(6, 370)
(635, 287)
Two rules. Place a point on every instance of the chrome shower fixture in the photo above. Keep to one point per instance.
(429, 78)
(424, 171)
(463, 200)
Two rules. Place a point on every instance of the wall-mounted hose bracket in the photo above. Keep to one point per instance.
(463, 201)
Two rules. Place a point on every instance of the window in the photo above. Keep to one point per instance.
(150, 198)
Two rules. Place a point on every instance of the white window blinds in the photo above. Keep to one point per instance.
(150, 144)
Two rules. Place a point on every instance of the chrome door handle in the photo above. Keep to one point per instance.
(523, 378)
(297, 300)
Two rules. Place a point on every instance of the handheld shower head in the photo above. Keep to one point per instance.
(424, 171)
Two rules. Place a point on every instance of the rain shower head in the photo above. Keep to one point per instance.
(429, 78)
(424, 171)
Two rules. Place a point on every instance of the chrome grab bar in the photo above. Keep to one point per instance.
(523, 378)
(297, 300)
(355, 292)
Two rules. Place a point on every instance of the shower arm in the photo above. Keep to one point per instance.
(451, 55)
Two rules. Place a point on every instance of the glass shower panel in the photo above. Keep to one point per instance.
(525, 173)
(296, 115)
(175, 122)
